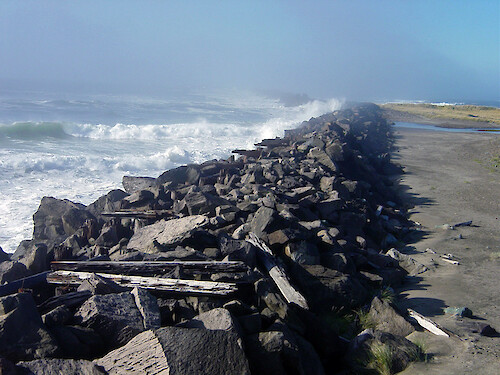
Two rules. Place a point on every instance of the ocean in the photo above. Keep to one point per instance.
(78, 147)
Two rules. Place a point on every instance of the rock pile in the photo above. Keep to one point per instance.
(318, 197)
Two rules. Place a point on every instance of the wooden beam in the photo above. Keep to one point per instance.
(26, 282)
(151, 268)
(277, 272)
(193, 287)
(150, 214)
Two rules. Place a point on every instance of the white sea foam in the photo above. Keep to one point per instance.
(82, 161)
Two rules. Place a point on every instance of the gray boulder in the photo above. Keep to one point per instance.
(22, 333)
(387, 319)
(215, 319)
(133, 184)
(114, 316)
(325, 288)
(107, 203)
(57, 219)
(56, 366)
(148, 307)
(179, 351)
(166, 233)
(36, 260)
(407, 263)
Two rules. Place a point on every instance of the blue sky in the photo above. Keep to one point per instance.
(364, 50)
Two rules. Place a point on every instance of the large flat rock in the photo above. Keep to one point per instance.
(178, 351)
(166, 233)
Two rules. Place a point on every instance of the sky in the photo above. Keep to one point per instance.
(359, 50)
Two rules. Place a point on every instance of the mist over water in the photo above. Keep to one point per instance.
(80, 149)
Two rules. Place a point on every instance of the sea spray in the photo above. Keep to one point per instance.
(68, 157)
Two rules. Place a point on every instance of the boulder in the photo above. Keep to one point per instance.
(22, 333)
(10, 271)
(99, 285)
(57, 366)
(58, 316)
(407, 263)
(107, 203)
(325, 288)
(114, 316)
(302, 252)
(78, 342)
(387, 319)
(133, 184)
(148, 307)
(263, 221)
(237, 250)
(199, 203)
(185, 175)
(57, 219)
(215, 319)
(3, 256)
(36, 260)
(167, 233)
(179, 351)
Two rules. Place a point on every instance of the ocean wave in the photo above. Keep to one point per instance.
(33, 130)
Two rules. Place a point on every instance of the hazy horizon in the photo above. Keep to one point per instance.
(359, 50)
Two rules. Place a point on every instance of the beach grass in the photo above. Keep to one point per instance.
(483, 114)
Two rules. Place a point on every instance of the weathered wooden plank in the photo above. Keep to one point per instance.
(427, 323)
(155, 283)
(150, 214)
(149, 268)
(277, 273)
(26, 282)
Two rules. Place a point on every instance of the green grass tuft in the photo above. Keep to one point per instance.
(365, 320)
(380, 359)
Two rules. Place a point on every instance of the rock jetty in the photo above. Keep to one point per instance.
(268, 262)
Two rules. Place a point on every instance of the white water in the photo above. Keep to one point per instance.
(80, 149)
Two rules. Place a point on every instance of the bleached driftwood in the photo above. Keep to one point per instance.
(150, 268)
(277, 273)
(154, 283)
(427, 323)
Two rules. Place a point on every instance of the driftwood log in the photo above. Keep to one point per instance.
(190, 287)
(151, 268)
(277, 272)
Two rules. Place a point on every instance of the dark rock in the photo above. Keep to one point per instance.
(36, 260)
(114, 316)
(148, 307)
(99, 285)
(78, 342)
(326, 288)
(140, 198)
(10, 271)
(108, 236)
(251, 323)
(263, 221)
(166, 233)
(185, 175)
(3, 256)
(56, 366)
(57, 219)
(180, 351)
(7, 367)
(237, 250)
(302, 252)
(387, 319)
(133, 184)
(107, 203)
(22, 333)
(59, 316)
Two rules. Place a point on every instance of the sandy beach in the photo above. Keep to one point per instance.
(452, 178)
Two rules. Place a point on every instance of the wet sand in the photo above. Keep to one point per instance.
(452, 178)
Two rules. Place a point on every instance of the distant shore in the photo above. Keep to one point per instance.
(446, 116)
